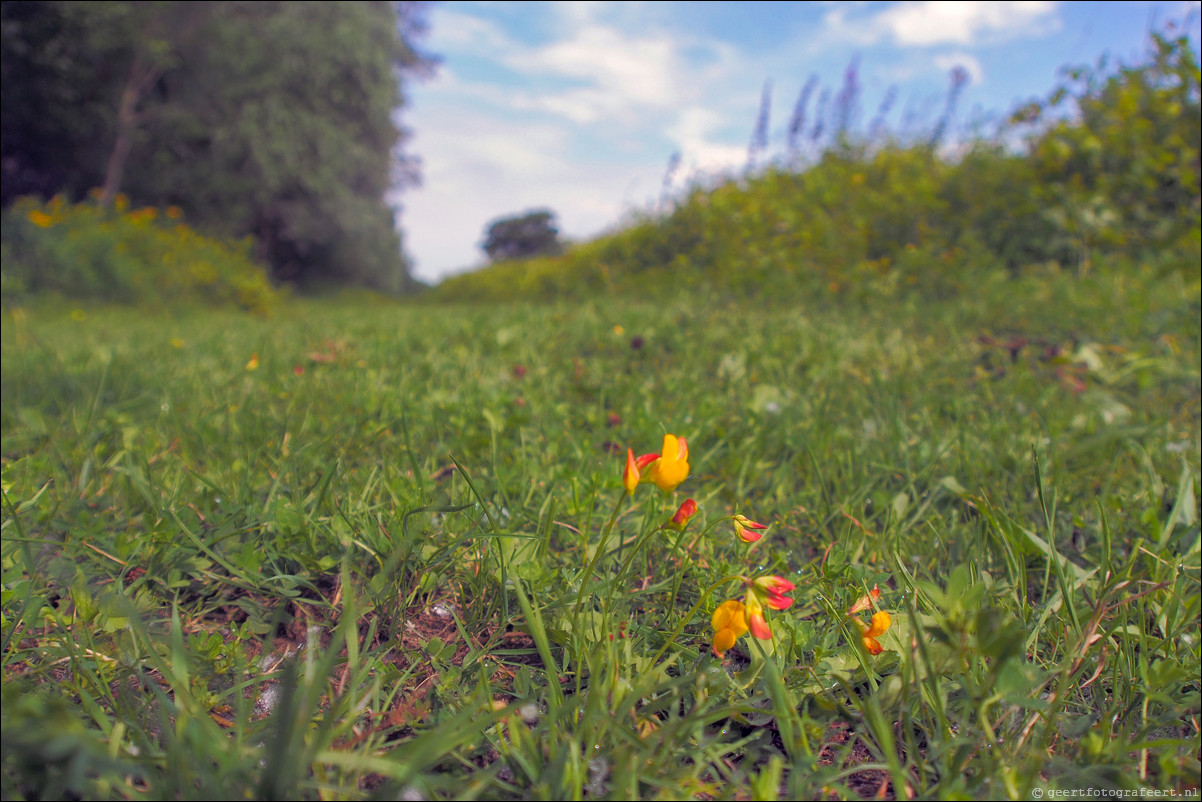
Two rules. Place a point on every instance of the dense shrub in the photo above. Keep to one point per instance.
(120, 254)
(1119, 167)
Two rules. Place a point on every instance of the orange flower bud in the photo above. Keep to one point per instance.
(755, 618)
(864, 602)
(683, 515)
(747, 530)
(630, 476)
(774, 589)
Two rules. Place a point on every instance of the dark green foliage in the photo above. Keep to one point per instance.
(522, 236)
(274, 120)
(293, 131)
(52, 106)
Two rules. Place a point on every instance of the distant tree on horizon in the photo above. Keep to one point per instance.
(533, 233)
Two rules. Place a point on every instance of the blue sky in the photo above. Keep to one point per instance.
(578, 106)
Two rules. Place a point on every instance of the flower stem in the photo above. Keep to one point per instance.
(680, 569)
(671, 639)
(592, 565)
(626, 565)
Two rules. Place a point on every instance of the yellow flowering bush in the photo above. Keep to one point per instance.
(126, 254)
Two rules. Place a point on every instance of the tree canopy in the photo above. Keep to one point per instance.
(522, 236)
(276, 120)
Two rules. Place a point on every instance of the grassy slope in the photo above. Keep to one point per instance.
(182, 533)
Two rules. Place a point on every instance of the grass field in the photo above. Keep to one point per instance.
(370, 549)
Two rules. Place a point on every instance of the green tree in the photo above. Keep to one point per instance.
(273, 119)
(52, 110)
(147, 40)
(522, 236)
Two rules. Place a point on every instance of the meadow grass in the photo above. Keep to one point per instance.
(368, 549)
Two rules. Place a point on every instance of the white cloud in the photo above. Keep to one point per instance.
(494, 146)
(640, 71)
(452, 31)
(928, 22)
(610, 74)
(479, 167)
(471, 160)
(970, 64)
(695, 134)
(633, 75)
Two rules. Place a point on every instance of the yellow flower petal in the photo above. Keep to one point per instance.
(880, 624)
(870, 633)
(672, 467)
(630, 477)
(724, 639)
(730, 615)
(730, 623)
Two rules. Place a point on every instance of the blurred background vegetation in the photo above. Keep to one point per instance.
(274, 121)
(1100, 175)
(271, 128)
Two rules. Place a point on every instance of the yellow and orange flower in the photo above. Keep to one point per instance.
(730, 623)
(665, 470)
(869, 633)
(773, 589)
(756, 623)
(40, 218)
(633, 474)
(630, 475)
(733, 618)
(672, 466)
